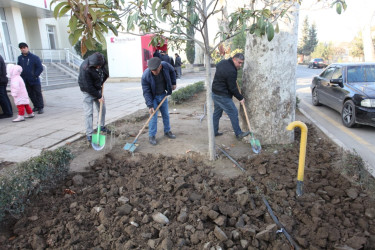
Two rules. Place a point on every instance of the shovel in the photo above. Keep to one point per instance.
(98, 140)
(255, 143)
(132, 146)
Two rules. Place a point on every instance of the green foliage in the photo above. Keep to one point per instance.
(183, 94)
(98, 48)
(239, 41)
(31, 177)
(89, 21)
(356, 46)
(309, 38)
(323, 50)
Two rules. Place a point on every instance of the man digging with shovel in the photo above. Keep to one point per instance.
(224, 87)
(158, 81)
(92, 76)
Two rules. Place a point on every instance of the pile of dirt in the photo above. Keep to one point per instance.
(181, 201)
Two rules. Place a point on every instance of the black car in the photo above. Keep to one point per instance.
(317, 63)
(348, 88)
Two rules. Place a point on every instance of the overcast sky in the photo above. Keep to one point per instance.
(334, 27)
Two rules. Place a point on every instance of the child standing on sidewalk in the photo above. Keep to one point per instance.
(19, 93)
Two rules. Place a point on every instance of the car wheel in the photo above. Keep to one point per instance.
(315, 98)
(348, 114)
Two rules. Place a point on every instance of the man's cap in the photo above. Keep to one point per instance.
(21, 45)
(154, 63)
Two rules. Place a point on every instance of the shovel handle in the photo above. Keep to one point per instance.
(148, 120)
(244, 109)
(100, 110)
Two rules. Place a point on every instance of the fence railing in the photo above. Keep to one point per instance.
(49, 56)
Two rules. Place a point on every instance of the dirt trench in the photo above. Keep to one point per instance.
(171, 197)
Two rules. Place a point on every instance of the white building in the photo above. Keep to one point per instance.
(32, 22)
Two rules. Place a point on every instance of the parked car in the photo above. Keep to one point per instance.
(317, 63)
(348, 88)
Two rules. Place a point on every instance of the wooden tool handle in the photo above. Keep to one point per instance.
(148, 120)
(244, 108)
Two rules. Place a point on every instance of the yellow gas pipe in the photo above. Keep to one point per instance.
(302, 153)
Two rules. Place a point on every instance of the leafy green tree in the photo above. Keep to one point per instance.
(313, 39)
(305, 37)
(356, 48)
(309, 38)
(88, 21)
(324, 50)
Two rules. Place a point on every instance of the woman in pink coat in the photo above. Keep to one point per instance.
(19, 93)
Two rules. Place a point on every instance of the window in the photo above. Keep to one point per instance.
(337, 74)
(328, 73)
(364, 73)
(51, 36)
(5, 50)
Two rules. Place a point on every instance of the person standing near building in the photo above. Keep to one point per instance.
(158, 81)
(19, 93)
(224, 87)
(5, 103)
(164, 57)
(31, 70)
(92, 75)
(177, 65)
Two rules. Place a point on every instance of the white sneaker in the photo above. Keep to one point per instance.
(19, 118)
(30, 115)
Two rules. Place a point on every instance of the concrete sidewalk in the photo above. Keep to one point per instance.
(63, 120)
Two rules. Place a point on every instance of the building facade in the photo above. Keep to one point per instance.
(31, 22)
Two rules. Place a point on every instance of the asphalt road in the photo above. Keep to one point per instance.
(360, 139)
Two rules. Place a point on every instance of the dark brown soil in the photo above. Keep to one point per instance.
(122, 201)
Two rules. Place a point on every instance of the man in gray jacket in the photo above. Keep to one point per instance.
(92, 75)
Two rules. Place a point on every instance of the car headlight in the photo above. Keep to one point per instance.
(369, 103)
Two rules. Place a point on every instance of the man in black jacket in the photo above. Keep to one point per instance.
(224, 87)
(5, 104)
(31, 69)
(92, 75)
(177, 66)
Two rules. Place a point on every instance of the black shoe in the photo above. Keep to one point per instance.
(218, 134)
(242, 135)
(170, 135)
(2, 116)
(40, 111)
(152, 140)
(35, 109)
(105, 130)
(89, 138)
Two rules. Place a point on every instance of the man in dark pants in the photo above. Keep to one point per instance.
(177, 65)
(224, 87)
(158, 81)
(5, 104)
(31, 70)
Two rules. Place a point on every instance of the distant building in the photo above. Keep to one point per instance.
(32, 21)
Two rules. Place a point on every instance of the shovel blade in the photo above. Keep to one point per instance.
(98, 141)
(130, 147)
(255, 145)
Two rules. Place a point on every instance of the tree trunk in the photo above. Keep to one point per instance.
(269, 80)
(368, 46)
(207, 61)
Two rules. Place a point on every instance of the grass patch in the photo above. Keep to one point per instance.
(183, 94)
(31, 177)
